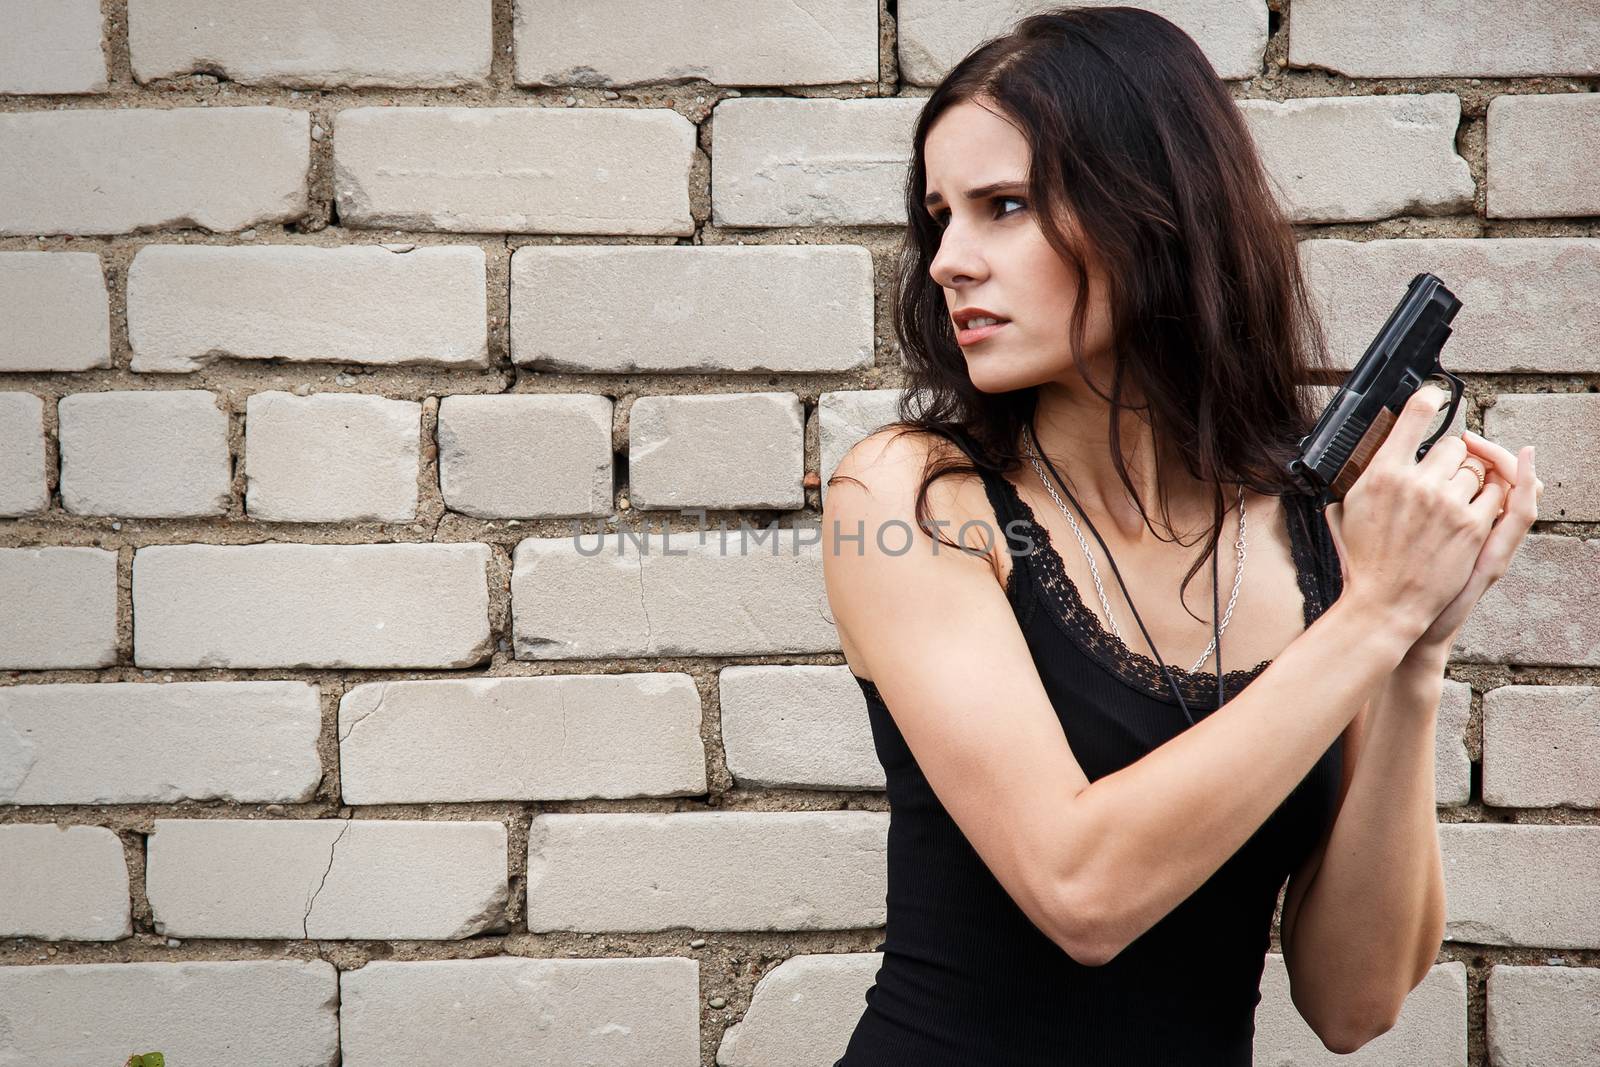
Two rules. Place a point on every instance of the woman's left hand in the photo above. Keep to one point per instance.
(1523, 490)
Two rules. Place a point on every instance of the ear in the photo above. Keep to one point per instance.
(1334, 513)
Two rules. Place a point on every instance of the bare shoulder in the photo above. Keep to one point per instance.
(890, 456)
(881, 476)
(879, 554)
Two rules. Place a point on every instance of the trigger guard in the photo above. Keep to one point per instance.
(1456, 387)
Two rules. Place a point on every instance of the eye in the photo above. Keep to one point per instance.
(942, 218)
(1018, 199)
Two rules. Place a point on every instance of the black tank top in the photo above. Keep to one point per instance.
(966, 977)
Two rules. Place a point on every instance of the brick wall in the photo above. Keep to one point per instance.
(322, 327)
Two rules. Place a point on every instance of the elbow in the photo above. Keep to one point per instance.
(1346, 1027)
(1083, 926)
(1367, 1018)
(1089, 952)
(1353, 1034)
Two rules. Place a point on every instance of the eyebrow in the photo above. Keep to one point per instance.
(933, 199)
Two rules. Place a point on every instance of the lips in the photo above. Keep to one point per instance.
(976, 334)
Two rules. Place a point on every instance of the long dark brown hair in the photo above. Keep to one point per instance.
(1136, 142)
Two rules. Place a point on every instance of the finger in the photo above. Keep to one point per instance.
(1470, 477)
(1533, 487)
(1489, 505)
(1444, 462)
(1504, 462)
(1494, 478)
(1411, 425)
(1485, 449)
(1507, 533)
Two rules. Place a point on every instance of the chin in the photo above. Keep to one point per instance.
(998, 372)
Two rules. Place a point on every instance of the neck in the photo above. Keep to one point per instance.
(1073, 430)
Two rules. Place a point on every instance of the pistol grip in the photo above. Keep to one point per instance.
(1361, 455)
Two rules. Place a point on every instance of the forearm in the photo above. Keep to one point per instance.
(1149, 835)
(1372, 918)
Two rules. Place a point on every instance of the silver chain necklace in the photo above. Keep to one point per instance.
(1094, 571)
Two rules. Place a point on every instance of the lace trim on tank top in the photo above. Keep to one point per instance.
(1135, 668)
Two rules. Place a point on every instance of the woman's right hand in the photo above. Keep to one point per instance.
(1408, 532)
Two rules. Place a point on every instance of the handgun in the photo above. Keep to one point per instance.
(1400, 360)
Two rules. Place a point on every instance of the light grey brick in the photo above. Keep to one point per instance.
(61, 608)
(620, 1012)
(1564, 429)
(605, 170)
(62, 883)
(810, 1002)
(288, 605)
(1526, 302)
(56, 313)
(215, 168)
(783, 161)
(1542, 1015)
(619, 309)
(797, 726)
(527, 456)
(159, 743)
(561, 737)
(1541, 746)
(1452, 766)
(718, 451)
(1542, 610)
(147, 453)
(935, 34)
(331, 457)
(24, 485)
(1406, 165)
(724, 870)
(725, 42)
(51, 47)
(188, 305)
(321, 43)
(1491, 38)
(221, 1014)
(1521, 884)
(1542, 153)
(326, 878)
(847, 416)
(735, 591)
(1430, 1032)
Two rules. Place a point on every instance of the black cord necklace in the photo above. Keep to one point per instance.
(1215, 613)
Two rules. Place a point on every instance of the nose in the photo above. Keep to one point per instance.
(958, 262)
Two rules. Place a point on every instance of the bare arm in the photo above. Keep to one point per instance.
(1154, 831)
(1095, 865)
(1367, 922)
(1364, 916)
(1091, 865)
(1411, 532)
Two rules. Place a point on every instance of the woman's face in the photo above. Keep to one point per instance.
(993, 255)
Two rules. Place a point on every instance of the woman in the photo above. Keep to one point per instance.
(1085, 848)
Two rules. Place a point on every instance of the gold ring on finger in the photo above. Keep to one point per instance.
(1476, 467)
